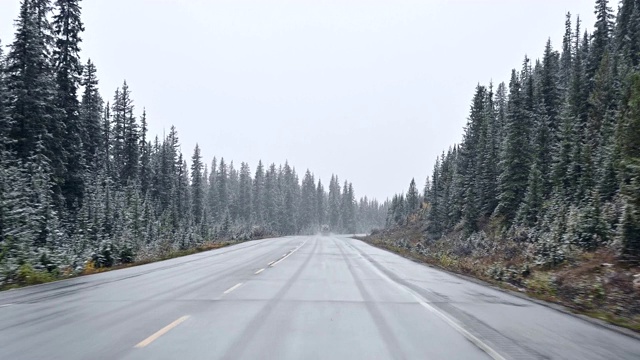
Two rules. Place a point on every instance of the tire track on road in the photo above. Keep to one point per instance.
(386, 334)
(478, 332)
(239, 346)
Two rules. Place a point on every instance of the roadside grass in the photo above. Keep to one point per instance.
(594, 283)
(90, 268)
(27, 275)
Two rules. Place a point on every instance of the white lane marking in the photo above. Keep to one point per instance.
(233, 288)
(289, 254)
(259, 271)
(269, 264)
(453, 323)
(161, 332)
(5, 305)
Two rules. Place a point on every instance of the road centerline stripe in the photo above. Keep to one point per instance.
(233, 288)
(161, 332)
(287, 255)
(259, 271)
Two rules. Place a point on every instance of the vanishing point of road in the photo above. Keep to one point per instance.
(315, 297)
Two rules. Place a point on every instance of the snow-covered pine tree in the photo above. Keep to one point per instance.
(90, 117)
(512, 182)
(197, 188)
(413, 199)
(67, 27)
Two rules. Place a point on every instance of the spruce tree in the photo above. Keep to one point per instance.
(487, 161)
(197, 189)
(271, 197)
(212, 193)
(566, 57)
(258, 195)
(334, 204)
(31, 90)
(531, 205)
(90, 116)
(308, 203)
(244, 198)
(131, 149)
(289, 186)
(145, 155)
(321, 204)
(470, 161)
(222, 178)
(512, 182)
(67, 27)
(601, 37)
(413, 199)
(628, 144)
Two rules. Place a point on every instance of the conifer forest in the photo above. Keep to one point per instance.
(553, 156)
(548, 171)
(84, 184)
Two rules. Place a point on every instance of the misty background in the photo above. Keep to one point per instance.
(366, 90)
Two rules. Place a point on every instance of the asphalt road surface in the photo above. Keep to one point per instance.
(291, 298)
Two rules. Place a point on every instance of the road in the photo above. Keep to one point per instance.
(291, 298)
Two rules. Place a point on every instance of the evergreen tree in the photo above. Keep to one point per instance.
(289, 188)
(601, 35)
(627, 33)
(308, 203)
(244, 198)
(489, 170)
(91, 110)
(145, 155)
(628, 144)
(348, 209)
(233, 191)
(131, 147)
(67, 27)
(566, 59)
(470, 161)
(197, 188)
(321, 202)
(212, 193)
(531, 205)
(272, 200)
(334, 204)
(31, 90)
(413, 199)
(512, 182)
(258, 195)
(222, 178)
(5, 120)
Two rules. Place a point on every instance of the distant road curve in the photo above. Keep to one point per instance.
(315, 297)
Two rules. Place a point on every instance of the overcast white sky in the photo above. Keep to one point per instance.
(370, 90)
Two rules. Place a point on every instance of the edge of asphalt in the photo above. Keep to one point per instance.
(555, 306)
(132, 266)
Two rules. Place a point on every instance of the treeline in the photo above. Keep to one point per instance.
(81, 181)
(552, 158)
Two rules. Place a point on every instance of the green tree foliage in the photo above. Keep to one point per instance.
(553, 158)
(512, 182)
(67, 27)
(628, 144)
(413, 198)
(81, 182)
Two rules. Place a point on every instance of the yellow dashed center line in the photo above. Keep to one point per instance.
(161, 332)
